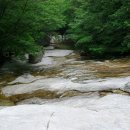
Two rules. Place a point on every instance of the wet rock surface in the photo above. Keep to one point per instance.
(62, 85)
(81, 94)
(76, 113)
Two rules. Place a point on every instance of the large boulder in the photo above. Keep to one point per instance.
(127, 87)
(33, 59)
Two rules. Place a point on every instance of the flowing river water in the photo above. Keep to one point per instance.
(64, 78)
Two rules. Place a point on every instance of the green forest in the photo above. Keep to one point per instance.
(98, 28)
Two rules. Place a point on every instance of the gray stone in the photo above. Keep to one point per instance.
(127, 87)
(111, 112)
(35, 59)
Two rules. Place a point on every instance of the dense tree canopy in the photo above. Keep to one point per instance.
(97, 27)
(101, 26)
(22, 22)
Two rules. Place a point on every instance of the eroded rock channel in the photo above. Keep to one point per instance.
(62, 73)
(63, 80)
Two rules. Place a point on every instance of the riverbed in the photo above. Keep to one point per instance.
(65, 92)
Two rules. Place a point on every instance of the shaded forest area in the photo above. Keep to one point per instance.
(98, 28)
